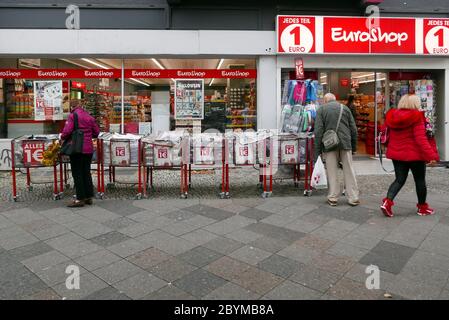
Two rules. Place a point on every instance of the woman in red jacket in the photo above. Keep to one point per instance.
(410, 149)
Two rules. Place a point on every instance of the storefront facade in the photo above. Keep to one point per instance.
(259, 46)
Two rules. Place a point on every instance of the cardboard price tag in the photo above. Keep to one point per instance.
(120, 153)
(32, 153)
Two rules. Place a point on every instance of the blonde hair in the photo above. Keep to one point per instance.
(410, 101)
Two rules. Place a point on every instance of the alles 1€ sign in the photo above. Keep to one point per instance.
(361, 35)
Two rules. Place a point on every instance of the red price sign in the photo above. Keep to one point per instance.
(162, 153)
(32, 153)
(205, 151)
(244, 151)
(120, 151)
(299, 69)
(296, 34)
(289, 149)
(436, 36)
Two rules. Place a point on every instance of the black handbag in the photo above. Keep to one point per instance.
(74, 145)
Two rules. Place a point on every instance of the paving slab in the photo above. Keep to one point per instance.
(169, 292)
(199, 283)
(289, 290)
(140, 285)
(388, 256)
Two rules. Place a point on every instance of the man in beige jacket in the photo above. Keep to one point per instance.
(327, 119)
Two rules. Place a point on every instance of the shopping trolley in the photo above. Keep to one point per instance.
(166, 151)
(241, 150)
(118, 150)
(212, 151)
(27, 153)
(288, 150)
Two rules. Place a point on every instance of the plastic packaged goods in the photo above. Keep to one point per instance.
(289, 150)
(245, 148)
(203, 150)
(166, 149)
(117, 152)
(298, 118)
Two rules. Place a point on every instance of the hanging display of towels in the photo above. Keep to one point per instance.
(300, 100)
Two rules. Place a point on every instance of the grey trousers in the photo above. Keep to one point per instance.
(351, 189)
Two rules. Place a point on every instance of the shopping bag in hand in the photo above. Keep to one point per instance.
(319, 179)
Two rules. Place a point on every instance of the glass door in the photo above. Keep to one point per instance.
(381, 104)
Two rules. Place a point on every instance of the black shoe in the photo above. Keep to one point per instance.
(76, 204)
(89, 201)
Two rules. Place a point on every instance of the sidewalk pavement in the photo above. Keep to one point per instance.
(243, 248)
(284, 247)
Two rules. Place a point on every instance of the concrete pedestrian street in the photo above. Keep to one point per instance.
(284, 247)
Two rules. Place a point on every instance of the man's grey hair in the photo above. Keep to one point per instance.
(328, 97)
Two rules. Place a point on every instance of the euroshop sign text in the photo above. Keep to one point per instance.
(356, 35)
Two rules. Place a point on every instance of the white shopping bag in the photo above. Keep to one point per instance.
(319, 179)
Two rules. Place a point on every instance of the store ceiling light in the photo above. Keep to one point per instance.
(218, 67)
(364, 76)
(95, 63)
(75, 63)
(368, 81)
(158, 63)
(220, 63)
(141, 82)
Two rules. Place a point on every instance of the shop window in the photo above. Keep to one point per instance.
(192, 94)
(225, 100)
(39, 103)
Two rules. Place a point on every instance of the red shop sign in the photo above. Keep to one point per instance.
(362, 35)
(59, 73)
(190, 73)
(129, 73)
(344, 82)
(351, 35)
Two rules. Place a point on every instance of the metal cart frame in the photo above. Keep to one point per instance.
(112, 177)
(57, 191)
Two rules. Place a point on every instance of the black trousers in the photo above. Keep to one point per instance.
(401, 169)
(80, 164)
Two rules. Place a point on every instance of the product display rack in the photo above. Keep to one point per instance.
(19, 99)
(425, 89)
(241, 108)
(135, 109)
(147, 108)
(99, 105)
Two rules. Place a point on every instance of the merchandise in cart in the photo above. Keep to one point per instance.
(212, 151)
(119, 150)
(242, 149)
(285, 156)
(37, 151)
(166, 151)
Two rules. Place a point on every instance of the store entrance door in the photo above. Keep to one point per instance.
(364, 93)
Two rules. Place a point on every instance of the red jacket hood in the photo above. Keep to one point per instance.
(402, 118)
